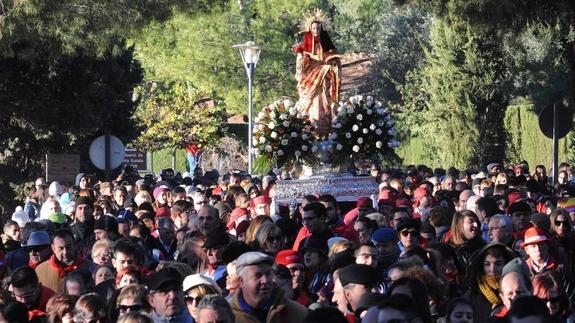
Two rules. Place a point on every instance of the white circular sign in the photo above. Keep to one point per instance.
(98, 152)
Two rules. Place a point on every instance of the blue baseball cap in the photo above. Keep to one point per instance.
(125, 215)
(383, 235)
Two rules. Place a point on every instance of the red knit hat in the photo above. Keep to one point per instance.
(534, 235)
(163, 211)
(388, 197)
(262, 199)
(289, 256)
(364, 202)
(419, 193)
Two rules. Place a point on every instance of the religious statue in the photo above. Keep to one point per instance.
(318, 69)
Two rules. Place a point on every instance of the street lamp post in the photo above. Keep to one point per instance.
(250, 55)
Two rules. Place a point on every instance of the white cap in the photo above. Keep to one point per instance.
(20, 217)
(198, 279)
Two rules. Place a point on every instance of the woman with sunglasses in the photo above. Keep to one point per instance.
(132, 298)
(562, 229)
(269, 238)
(196, 287)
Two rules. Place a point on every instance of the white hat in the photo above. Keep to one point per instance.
(55, 189)
(20, 217)
(198, 279)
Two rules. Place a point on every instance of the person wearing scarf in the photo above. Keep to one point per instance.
(65, 259)
(483, 279)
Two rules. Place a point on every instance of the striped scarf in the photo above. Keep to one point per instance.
(489, 287)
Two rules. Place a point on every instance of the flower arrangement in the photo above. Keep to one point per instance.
(281, 136)
(363, 129)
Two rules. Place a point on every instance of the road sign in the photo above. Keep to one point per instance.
(98, 152)
(137, 158)
(564, 121)
(62, 167)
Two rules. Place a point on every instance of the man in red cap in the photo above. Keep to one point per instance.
(421, 202)
(540, 260)
(536, 246)
(293, 260)
(364, 206)
(260, 206)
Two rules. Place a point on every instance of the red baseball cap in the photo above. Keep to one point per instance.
(289, 256)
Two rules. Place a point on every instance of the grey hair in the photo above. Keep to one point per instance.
(506, 220)
(217, 303)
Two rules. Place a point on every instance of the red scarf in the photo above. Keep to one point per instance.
(33, 265)
(62, 271)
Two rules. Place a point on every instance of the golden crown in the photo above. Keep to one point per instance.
(315, 15)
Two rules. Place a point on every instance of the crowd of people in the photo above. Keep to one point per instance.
(488, 245)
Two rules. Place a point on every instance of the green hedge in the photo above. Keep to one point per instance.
(525, 142)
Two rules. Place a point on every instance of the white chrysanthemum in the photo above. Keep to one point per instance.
(355, 148)
(360, 140)
(339, 147)
(305, 148)
(378, 105)
(292, 111)
(262, 140)
(299, 115)
(283, 116)
(297, 153)
(350, 110)
(365, 131)
(280, 152)
(268, 148)
(369, 112)
(348, 135)
(359, 117)
(274, 134)
(287, 103)
(271, 125)
(285, 124)
(378, 132)
(372, 127)
(355, 127)
(379, 144)
(293, 134)
(272, 114)
(284, 142)
(369, 101)
(261, 127)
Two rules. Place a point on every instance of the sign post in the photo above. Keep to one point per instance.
(555, 122)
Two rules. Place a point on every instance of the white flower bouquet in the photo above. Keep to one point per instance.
(363, 129)
(281, 136)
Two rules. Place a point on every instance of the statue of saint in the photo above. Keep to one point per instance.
(318, 69)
